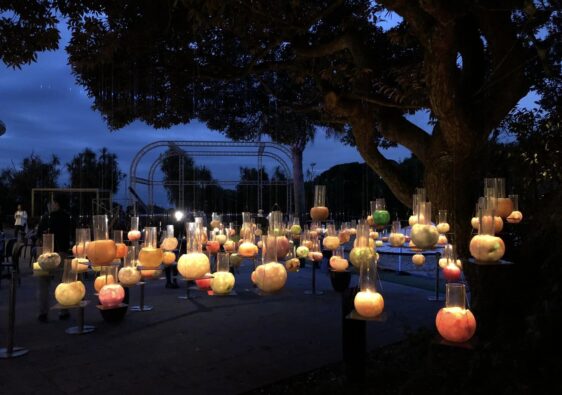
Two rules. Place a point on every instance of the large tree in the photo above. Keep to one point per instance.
(466, 63)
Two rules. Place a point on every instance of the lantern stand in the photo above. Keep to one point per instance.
(188, 295)
(12, 351)
(313, 291)
(141, 307)
(436, 298)
(114, 313)
(81, 328)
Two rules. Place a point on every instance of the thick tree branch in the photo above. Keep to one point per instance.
(363, 128)
(392, 124)
(419, 21)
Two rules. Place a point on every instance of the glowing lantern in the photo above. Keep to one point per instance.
(485, 246)
(70, 291)
(424, 234)
(455, 322)
(101, 251)
(368, 302)
(319, 211)
(396, 237)
(381, 216)
(194, 264)
(418, 259)
(338, 262)
(129, 275)
(516, 216)
(120, 247)
(223, 281)
(48, 260)
(170, 242)
(331, 240)
(150, 256)
(270, 276)
(111, 294)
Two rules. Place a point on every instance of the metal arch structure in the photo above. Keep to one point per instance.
(277, 152)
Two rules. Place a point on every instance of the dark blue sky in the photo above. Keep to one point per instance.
(46, 112)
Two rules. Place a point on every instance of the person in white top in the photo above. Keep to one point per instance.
(20, 221)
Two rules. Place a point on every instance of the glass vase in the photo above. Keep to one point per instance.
(454, 322)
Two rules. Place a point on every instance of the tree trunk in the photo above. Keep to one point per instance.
(298, 179)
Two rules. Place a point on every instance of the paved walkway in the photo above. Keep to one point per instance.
(210, 345)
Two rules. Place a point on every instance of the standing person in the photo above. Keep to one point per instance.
(20, 223)
(57, 222)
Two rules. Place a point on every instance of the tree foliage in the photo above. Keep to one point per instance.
(90, 170)
(16, 184)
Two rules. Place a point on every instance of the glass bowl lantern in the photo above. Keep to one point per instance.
(331, 240)
(516, 216)
(70, 291)
(168, 245)
(101, 251)
(220, 235)
(486, 246)
(338, 263)
(134, 233)
(270, 276)
(381, 216)
(319, 211)
(454, 322)
(229, 244)
(120, 246)
(111, 294)
(396, 237)
(363, 251)
(193, 264)
(80, 262)
(223, 280)
(305, 244)
(315, 253)
(129, 275)
(368, 302)
(424, 234)
(247, 247)
(150, 256)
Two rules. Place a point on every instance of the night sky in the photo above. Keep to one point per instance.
(47, 113)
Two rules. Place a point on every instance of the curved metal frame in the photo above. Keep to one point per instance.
(276, 152)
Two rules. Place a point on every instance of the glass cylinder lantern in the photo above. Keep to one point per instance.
(495, 188)
(305, 244)
(454, 322)
(516, 216)
(215, 221)
(381, 216)
(120, 247)
(396, 237)
(220, 235)
(213, 246)
(80, 262)
(223, 280)
(442, 222)
(452, 266)
(338, 263)
(111, 294)
(292, 263)
(70, 291)
(134, 233)
(129, 275)
(168, 245)
(48, 260)
(368, 302)
(363, 251)
(345, 233)
(105, 277)
(229, 244)
(101, 251)
(270, 276)
(319, 211)
(150, 256)
(277, 228)
(424, 234)
(247, 248)
(295, 229)
(193, 264)
(315, 253)
(331, 241)
(486, 246)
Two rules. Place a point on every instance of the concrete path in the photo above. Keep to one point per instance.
(209, 345)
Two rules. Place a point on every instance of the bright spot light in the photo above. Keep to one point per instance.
(178, 215)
